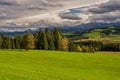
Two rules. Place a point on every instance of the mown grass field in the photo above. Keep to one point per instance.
(55, 65)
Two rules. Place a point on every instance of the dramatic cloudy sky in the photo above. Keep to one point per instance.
(18, 15)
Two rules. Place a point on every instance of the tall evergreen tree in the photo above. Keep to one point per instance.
(51, 45)
(5, 43)
(1, 41)
(57, 38)
(9, 43)
(18, 42)
(42, 41)
(38, 39)
(47, 31)
(45, 42)
(13, 43)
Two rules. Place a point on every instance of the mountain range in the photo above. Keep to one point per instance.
(65, 29)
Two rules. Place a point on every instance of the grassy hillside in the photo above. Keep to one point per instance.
(106, 33)
(55, 65)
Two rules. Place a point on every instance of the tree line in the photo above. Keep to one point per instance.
(52, 40)
(92, 46)
(42, 40)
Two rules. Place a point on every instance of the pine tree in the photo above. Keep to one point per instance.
(18, 40)
(36, 37)
(51, 45)
(13, 44)
(72, 47)
(42, 42)
(5, 43)
(9, 43)
(17, 44)
(47, 31)
(39, 41)
(45, 42)
(28, 40)
(57, 38)
(1, 41)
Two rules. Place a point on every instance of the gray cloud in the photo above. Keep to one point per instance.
(105, 12)
(106, 17)
(3, 16)
(35, 7)
(50, 4)
(112, 5)
(70, 16)
(48, 12)
(8, 3)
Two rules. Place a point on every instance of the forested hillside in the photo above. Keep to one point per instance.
(101, 39)
(104, 39)
(106, 33)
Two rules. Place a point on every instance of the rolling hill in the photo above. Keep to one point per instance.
(111, 33)
(56, 65)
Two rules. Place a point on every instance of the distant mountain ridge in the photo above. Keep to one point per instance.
(65, 29)
(88, 26)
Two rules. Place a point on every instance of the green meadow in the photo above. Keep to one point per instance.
(57, 65)
(111, 33)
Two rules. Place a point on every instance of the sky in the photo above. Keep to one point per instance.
(19, 15)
